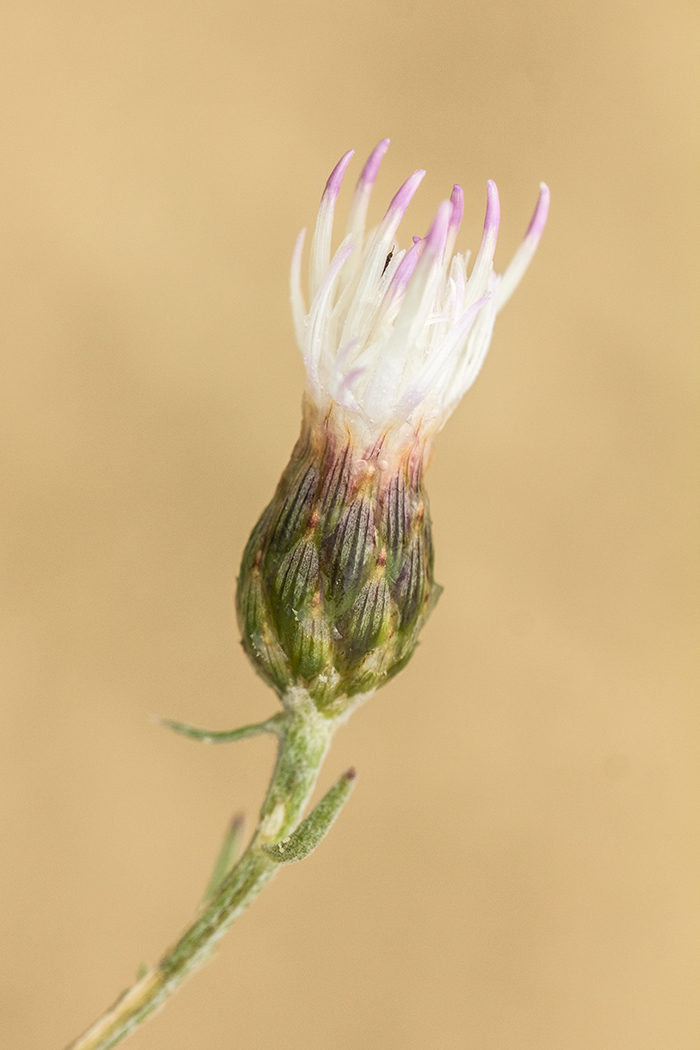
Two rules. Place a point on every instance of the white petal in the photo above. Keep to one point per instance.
(515, 271)
(297, 296)
(321, 244)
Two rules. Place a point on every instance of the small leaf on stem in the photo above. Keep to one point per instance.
(316, 826)
(226, 736)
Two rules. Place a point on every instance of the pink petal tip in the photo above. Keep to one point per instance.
(335, 179)
(402, 197)
(539, 217)
(457, 199)
(371, 168)
(405, 269)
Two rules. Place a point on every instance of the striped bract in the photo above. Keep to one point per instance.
(337, 577)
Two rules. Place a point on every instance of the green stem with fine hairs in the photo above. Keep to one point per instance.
(281, 836)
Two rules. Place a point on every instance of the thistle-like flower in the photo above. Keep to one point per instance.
(337, 577)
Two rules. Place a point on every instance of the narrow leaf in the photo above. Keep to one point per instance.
(316, 826)
(211, 736)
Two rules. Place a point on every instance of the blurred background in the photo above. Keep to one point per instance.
(517, 869)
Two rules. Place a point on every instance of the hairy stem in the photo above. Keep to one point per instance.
(304, 737)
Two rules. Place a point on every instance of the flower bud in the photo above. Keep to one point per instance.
(337, 577)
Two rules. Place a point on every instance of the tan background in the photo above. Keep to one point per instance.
(517, 869)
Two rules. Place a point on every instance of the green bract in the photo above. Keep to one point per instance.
(337, 577)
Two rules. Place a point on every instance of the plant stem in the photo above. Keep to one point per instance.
(304, 738)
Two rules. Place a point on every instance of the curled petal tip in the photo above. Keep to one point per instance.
(404, 195)
(523, 257)
(539, 216)
(371, 168)
(335, 178)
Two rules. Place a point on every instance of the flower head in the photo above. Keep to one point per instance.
(394, 337)
(337, 578)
